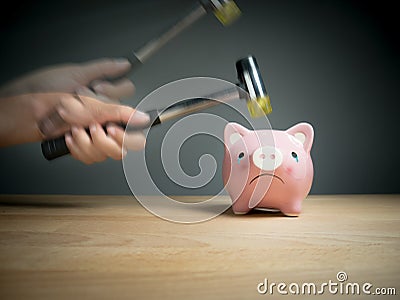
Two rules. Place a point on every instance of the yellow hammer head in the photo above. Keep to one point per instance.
(227, 12)
(259, 107)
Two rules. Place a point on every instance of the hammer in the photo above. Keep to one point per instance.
(250, 80)
(226, 11)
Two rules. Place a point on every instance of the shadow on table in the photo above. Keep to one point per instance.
(255, 214)
(64, 201)
(30, 203)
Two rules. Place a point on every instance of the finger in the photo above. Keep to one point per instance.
(85, 146)
(84, 91)
(53, 125)
(73, 111)
(75, 150)
(107, 112)
(105, 68)
(69, 111)
(134, 140)
(57, 121)
(107, 145)
(121, 89)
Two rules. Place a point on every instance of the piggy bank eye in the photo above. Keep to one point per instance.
(241, 155)
(294, 155)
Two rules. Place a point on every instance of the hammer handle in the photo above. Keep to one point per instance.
(138, 57)
(57, 147)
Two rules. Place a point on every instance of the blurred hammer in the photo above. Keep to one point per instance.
(226, 12)
(250, 87)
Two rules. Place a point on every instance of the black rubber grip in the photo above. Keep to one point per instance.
(52, 149)
(57, 147)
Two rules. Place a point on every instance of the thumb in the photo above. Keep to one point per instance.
(110, 112)
(83, 110)
(104, 68)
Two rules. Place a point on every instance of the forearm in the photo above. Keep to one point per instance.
(17, 120)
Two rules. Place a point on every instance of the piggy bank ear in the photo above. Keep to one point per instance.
(234, 132)
(303, 132)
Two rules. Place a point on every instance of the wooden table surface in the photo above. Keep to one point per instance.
(110, 247)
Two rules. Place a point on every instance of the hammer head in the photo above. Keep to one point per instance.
(226, 11)
(258, 102)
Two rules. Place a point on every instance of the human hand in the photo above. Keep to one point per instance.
(99, 142)
(47, 84)
(34, 117)
(67, 78)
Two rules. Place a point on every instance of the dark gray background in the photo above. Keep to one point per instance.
(334, 64)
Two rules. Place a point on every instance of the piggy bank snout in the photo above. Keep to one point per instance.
(267, 158)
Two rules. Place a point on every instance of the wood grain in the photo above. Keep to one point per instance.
(106, 247)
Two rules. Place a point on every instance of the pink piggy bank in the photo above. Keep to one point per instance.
(268, 169)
